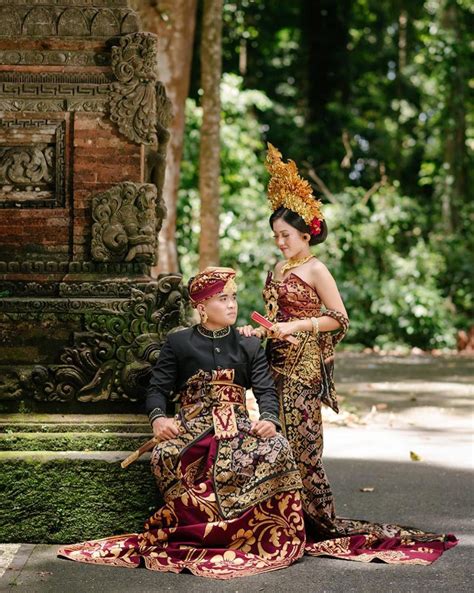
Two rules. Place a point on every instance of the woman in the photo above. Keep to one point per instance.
(231, 487)
(302, 299)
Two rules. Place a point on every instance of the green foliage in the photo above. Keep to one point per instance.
(388, 271)
(394, 77)
(388, 274)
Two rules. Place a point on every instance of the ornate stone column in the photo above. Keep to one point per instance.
(83, 135)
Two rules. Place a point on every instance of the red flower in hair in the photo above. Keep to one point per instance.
(315, 226)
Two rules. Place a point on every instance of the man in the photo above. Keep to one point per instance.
(231, 487)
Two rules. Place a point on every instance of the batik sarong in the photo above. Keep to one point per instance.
(232, 504)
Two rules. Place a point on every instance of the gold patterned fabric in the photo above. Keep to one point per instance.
(304, 379)
(303, 376)
(232, 503)
(211, 282)
(312, 362)
(189, 532)
(247, 469)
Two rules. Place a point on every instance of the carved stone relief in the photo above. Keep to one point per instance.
(73, 267)
(67, 19)
(108, 319)
(112, 359)
(53, 92)
(54, 57)
(32, 162)
(27, 166)
(126, 223)
(137, 99)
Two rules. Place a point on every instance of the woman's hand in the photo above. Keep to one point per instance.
(263, 429)
(165, 429)
(285, 328)
(248, 331)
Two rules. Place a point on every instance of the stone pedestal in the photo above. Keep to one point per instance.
(83, 136)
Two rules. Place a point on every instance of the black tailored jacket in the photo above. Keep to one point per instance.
(186, 352)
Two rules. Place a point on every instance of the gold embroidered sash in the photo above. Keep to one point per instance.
(214, 391)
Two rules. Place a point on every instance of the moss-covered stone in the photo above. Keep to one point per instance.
(34, 422)
(65, 497)
(80, 441)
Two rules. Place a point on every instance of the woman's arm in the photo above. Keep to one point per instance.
(324, 283)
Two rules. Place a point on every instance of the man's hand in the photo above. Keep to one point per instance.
(263, 429)
(165, 429)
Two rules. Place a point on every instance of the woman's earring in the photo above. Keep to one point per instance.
(203, 317)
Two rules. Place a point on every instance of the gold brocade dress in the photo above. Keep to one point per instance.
(304, 379)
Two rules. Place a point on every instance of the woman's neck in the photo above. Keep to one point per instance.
(305, 252)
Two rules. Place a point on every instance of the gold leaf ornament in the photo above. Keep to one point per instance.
(288, 189)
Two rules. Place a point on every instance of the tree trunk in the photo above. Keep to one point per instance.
(325, 36)
(402, 62)
(455, 153)
(209, 152)
(174, 22)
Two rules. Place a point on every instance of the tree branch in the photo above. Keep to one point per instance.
(323, 188)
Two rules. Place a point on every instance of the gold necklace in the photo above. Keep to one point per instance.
(294, 263)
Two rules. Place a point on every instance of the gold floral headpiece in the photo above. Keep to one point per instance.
(288, 189)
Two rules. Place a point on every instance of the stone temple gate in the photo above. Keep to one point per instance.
(82, 155)
(83, 137)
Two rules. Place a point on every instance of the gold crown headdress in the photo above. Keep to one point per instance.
(288, 189)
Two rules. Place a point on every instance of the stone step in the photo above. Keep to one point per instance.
(42, 423)
(69, 496)
(46, 456)
(72, 441)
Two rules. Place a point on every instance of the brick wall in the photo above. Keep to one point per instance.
(102, 157)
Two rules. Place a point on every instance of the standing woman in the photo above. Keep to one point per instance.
(302, 299)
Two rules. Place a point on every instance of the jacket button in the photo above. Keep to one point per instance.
(218, 349)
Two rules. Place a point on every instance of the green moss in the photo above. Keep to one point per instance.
(68, 500)
(71, 442)
(50, 427)
(36, 422)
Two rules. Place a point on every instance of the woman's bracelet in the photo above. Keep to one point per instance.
(315, 324)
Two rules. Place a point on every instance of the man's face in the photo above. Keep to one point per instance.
(221, 310)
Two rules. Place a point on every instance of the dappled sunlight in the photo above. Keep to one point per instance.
(437, 448)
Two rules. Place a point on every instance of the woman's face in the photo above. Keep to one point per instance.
(288, 239)
(221, 310)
